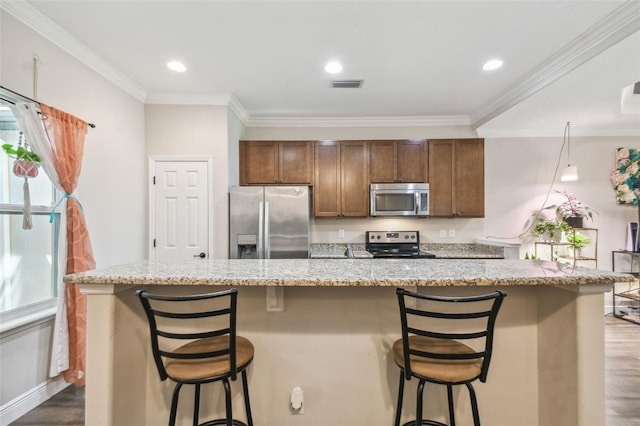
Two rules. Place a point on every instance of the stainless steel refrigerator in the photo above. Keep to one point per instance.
(270, 222)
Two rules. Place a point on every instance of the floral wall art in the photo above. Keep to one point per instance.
(626, 176)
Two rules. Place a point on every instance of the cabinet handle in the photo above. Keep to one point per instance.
(457, 214)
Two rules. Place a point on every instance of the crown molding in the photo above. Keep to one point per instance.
(498, 133)
(175, 98)
(238, 110)
(31, 17)
(228, 100)
(613, 28)
(432, 121)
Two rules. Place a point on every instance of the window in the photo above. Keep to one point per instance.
(28, 258)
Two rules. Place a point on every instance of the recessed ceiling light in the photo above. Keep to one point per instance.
(333, 67)
(176, 66)
(493, 64)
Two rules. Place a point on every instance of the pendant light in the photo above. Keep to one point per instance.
(569, 173)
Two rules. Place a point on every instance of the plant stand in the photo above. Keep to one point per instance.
(559, 251)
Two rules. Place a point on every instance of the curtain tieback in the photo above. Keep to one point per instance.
(52, 215)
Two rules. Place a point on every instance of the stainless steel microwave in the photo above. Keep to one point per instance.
(399, 199)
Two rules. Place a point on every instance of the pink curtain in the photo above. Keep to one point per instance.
(66, 135)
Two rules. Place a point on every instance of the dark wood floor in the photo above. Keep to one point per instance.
(65, 408)
(622, 345)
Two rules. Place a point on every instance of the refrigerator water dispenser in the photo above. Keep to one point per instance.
(247, 246)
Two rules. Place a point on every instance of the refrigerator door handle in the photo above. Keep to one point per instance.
(260, 230)
(267, 237)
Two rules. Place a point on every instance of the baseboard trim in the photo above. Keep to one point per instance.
(29, 400)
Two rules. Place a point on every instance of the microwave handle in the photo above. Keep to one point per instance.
(417, 203)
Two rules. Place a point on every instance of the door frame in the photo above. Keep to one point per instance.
(152, 160)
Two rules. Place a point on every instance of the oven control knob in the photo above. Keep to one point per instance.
(406, 237)
(413, 237)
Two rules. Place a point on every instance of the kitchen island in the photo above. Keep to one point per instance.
(333, 339)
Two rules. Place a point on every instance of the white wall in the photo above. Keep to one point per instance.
(519, 173)
(112, 184)
(179, 130)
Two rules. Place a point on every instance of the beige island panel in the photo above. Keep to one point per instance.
(334, 334)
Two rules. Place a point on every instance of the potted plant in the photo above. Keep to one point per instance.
(572, 211)
(550, 230)
(26, 161)
(577, 241)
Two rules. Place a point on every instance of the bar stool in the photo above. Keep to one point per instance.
(430, 352)
(213, 353)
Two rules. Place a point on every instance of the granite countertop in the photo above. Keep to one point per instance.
(349, 272)
(463, 251)
(440, 250)
(339, 254)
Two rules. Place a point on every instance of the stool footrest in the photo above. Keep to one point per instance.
(425, 423)
(223, 422)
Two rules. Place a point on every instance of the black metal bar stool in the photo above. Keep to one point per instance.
(213, 353)
(430, 352)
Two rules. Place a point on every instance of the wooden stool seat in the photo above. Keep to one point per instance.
(187, 370)
(439, 370)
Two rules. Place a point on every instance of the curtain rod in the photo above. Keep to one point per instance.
(18, 95)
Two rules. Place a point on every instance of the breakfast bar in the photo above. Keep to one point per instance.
(332, 335)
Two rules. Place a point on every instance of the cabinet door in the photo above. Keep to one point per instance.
(383, 161)
(326, 185)
(258, 162)
(296, 163)
(411, 161)
(441, 154)
(456, 177)
(469, 178)
(354, 169)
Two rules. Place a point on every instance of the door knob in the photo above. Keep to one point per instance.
(201, 255)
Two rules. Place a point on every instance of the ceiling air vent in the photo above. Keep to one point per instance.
(346, 84)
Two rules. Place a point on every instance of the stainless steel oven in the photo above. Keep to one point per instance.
(395, 244)
(399, 199)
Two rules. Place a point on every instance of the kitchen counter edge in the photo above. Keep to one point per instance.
(347, 273)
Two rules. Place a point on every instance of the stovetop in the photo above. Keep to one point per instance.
(395, 244)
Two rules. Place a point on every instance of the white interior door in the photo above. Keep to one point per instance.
(181, 210)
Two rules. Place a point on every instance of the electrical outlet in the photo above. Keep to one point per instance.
(443, 233)
(340, 233)
(296, 401)
(452, 233)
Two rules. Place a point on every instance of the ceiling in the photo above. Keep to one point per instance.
(420, 60)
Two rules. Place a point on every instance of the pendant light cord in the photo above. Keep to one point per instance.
(567, 135)
(531, 223)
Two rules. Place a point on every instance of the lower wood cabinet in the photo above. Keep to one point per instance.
(456, 177)
(341, 181)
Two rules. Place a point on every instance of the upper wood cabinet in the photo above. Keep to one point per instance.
(398, 161)
(341, 182)
(456, 177)
(276, 162)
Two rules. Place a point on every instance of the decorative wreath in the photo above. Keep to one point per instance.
(626, 176)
